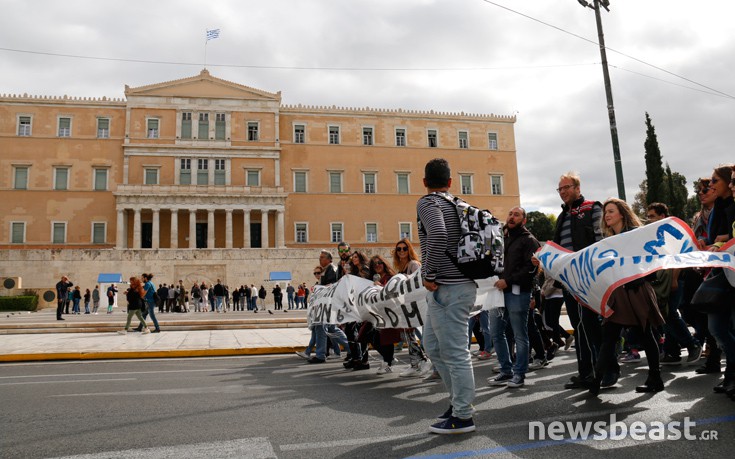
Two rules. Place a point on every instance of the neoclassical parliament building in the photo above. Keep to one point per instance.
(202, 163)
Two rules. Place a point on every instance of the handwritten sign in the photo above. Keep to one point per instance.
(401, 303)
(593, 273)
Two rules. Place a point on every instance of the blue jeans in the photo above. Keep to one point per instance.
(321, 339)
(721, 325)
(218, 300)
(290, 301)
(515, 312)
(445, 342)
(152, 312)
(484, 328)
(75, 308)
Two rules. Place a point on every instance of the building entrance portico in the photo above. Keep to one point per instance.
(204, 221)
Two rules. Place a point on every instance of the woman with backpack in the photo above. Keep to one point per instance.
(134, 296)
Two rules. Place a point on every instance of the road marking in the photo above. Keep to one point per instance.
(65, 381)
(121, 373)
(231, 389)
(246, 448)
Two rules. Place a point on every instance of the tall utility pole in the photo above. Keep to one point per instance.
(595, 5)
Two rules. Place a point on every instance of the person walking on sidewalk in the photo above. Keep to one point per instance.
(87, 298)
(135, 297)
(111, 292)
(62, 287)
(450, 297)
(150, 300)
(96, 299)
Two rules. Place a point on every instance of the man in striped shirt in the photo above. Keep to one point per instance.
(577, 227)
(450, 297)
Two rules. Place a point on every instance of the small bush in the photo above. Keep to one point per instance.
(19, 303)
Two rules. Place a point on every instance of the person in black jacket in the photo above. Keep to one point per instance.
(516, 282)
(62, 287)
(577, 227)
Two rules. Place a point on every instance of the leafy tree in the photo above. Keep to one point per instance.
(654, 165)
(675, 196)
(541, 225)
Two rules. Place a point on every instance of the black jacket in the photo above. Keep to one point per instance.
(721, 219)
(520, 245)
(583, 225)
(329, 276)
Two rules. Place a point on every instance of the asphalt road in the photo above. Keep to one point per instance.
(278, 406)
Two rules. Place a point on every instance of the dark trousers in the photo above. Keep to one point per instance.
(60, 308)
(588, 333)
(534, 337)
(607, 361)
(552, 312)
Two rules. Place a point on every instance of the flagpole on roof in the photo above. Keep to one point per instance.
(206, 40)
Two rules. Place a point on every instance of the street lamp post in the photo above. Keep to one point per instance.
(595, 5)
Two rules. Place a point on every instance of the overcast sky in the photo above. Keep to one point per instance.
(448, 55)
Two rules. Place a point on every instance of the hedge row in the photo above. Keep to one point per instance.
(18, 303)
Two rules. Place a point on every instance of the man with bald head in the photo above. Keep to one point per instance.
(516, 282)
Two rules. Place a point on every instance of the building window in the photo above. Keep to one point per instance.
(402, 183)
(337, 230)
(404, 230)
(335, 182)
(20, 177)
(465, 181)
(100, 179)
(253, 131)
(299, 133)
(24, 126)
(202, 172)
(369, 179)
(496, 184)
(153, 125)
(463, 142)
(103, 128)
(185, 172)
(367, 136)
(432, 136)
(400, 137)
(492, 140)
(334, 135)
(220, 172)
(203, 133)
(299, 182)
(371, 232)
(17, 232)
(64, 127)
(151, 176)
(302, 234)
(220, 126)
(99, 232)
(253, 177)
(58, 232)
(61, 178)
(186, 125)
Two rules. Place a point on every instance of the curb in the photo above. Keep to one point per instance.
(177, 353)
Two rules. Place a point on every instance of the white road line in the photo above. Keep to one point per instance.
(65, 381)
(245, 448)
(121, 373)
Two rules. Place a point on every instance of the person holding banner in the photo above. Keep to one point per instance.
(634, 305)
(450, 298)
(358, 266)
(577, 227)
(383, 340)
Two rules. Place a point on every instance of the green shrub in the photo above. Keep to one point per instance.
(18, 303)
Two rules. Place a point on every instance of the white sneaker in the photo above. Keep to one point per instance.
(303, 355)
(385, 368)
(537, 364)
(333, 357)
(410, 372)
(122, 332)
(425, 367)
(145, 331)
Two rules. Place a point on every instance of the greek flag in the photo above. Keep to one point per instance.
(212, 34)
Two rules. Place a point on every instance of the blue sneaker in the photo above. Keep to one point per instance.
(453, 426)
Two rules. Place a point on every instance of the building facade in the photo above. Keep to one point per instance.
(204, 163)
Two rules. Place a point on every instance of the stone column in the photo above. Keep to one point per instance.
(264, 228)
(228, 228)
(210, 228)
(192, 228)
(279, 229)
(136, 228)
(121, 233)
(156, 237)
(246, 229)
(174, 228)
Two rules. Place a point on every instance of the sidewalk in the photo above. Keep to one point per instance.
(238, 333)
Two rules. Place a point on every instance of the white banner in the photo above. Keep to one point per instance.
(400, 304)
(593, 273)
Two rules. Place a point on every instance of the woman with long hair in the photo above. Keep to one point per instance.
(406, 261)
(634, 305)
(357, 357)
(382, 340)
(359, 265)
(134, 296)
(720, 230)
